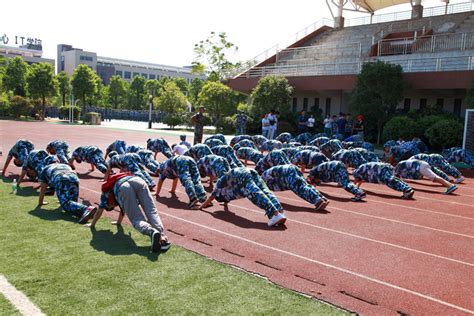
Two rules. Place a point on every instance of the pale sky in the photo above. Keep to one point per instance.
(162, 32)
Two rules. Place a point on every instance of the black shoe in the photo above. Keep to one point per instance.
(155, 241)
(88, 213)
(165, 246)
(49, 191)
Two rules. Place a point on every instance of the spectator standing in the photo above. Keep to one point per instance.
(302, 122)
(241, 123)
(273, 120)
(328, 125)
(198, 122)
(334, 126)
(265, 125)
(349, 126)
(359, 126)
(310, 123)
(341, 124)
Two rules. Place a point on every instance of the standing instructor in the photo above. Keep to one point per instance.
(198, 122)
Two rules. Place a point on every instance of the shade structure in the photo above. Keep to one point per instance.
(374, 5)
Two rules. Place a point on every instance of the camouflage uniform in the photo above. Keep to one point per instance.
(228, 153)
(241, 124)
(292, 144)
(60, 149)
(304, 138)
(133, 149)
(349, 157)
(35, 161)
(118, 146)
(438, 161)
(131, 162)
(447, 152)
(245, 143)
(308, 158)
(242, 182)
(291, 152)
(219, 137)
(92, 155)
(213, 165)
(309, 147)
(354, 138)
(284, 138)
(334, 171)
(159, 145)
(358, 144)
(368, 155)
(319, 141)
(198, 151)
(259, 140)
(380, 172)
(273, 158)
(410, 169)
(289, 177)
(186, 170)
(331, 147)
(251, 154)
(237, 139)
(271, 145)
(20, 150)
(213, 142)
(402, 152)
(147, 159)
(66, 185)
(461, 155)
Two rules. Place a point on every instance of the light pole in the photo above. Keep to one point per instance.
(149, 113)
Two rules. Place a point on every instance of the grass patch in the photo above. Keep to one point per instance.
(65, 268)
(6, 308)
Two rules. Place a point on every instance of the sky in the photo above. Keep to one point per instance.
(162, 32)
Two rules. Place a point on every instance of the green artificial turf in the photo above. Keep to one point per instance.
(6, 308)
(65, 268)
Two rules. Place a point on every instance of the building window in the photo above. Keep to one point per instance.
(328, 106)
(85, 58)
(457, 107)
(440, 102)
(423, 103)
(406, 105)
(119, 73)
(136, 74)
(145, 76)
(127, 75)
(305, 104)
(295, 104)
(152, 77)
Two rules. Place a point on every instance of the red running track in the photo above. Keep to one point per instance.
(383, 256)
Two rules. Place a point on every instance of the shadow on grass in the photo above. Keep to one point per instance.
(52, 215)
(119, 244)
(228, 216)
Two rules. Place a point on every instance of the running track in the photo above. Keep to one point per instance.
(384, 256)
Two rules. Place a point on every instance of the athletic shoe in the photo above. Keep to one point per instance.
(321, 205)
(155, 241)
(165, 246)
(277, 219)
(451, 189)
(88, 213)
(409, 194)
(358, 197)
(459, 180)
(192, 204)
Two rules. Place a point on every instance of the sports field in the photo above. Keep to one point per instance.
(382, 256)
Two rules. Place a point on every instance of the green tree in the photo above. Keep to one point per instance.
(271, 93)
(41, 83)
(84, 83)
(182, 85)
(470, 96)
(378, 90)
(153, 87)
(100, 96)
(194, 90)
(20, 106)
(211, 55)
(216, 98)
(137, 93)
(64, 85)
(118, 89)
(3, 66)
(171, 100)
(15, 76)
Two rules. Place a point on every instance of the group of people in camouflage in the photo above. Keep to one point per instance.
(280, 165)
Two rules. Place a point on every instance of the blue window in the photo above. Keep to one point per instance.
(85, 58)
(152, 77)
(127, 75)
(118, 73)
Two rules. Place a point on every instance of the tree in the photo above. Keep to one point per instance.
(153, 87)
(84, 83)
(470, 96)
(118, 89)
(20, 106)
(64, 85)
(216, 98)
(378, 90)
(194, 89)
(182, 85)
(15, 76)
(211, 55)
(41, 83)
(271, 93)
(171, 100)
(137, 93)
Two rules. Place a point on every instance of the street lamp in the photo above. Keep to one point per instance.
(149, 113)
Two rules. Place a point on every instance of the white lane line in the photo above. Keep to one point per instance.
(18, 299)
(327, 265)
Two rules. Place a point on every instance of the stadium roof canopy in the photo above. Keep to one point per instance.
(374, 5)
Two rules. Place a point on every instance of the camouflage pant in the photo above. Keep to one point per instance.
(99, 163)
(137, 171)
(259, 194)
(395, 183)
(342, 178)
(299, 186)
(198, 135)
(189, 177)
(152, 165)
(67, 192)
(63, 156)
(447, 168)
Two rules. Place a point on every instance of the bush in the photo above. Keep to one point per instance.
(64, 112)
(424, 123)
(173, 120)
(445, 134)
(20, 106)
(227, 124)
(399, 127)
(285, 127)
(4, 105)
(88, 117)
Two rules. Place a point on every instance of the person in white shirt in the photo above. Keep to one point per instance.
(179, 149)
(265, 125)
(328, 122)
(273, 119)
(310, 123)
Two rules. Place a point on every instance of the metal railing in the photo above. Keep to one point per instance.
(406, 15)
(315, 52)
(352, 68)
(409, 26)
(426, 44)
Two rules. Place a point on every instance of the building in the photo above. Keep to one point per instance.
(29, 49)
(434, 46)
(106, 67)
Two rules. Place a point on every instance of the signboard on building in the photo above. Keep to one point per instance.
(21, 41)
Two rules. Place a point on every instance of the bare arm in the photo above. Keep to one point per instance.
(22, 176)
(158, 187)
(7, 162)
(211, 182)
(174, 185)
(92, 167)
(107, 173)
(207, 202)
(43, 187)
(97, 215)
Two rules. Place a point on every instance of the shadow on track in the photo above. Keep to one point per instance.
(230, 217)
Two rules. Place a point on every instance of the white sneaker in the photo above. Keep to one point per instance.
(277, 219)
(459, 180)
